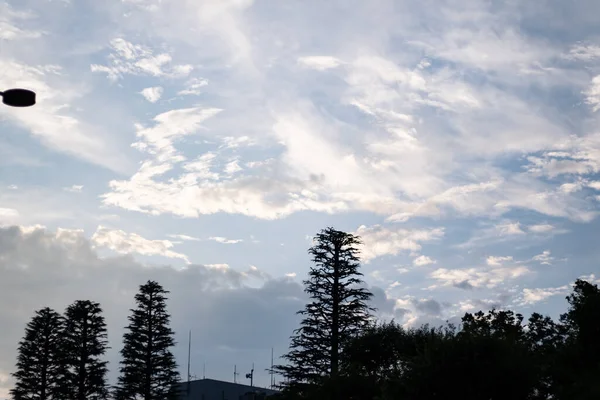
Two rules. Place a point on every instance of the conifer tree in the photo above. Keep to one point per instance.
(84, 343)
(148, 369)
(39, 358)
(337, 311)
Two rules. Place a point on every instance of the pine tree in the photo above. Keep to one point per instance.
(39, 358)
(84, 343)
(337, 312)
(148, 369)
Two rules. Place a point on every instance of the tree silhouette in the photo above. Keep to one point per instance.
(39, 358)
(84, 343)
(376, 360)
(578, 361)
(148, 369)
(545, 339)
(337, 312)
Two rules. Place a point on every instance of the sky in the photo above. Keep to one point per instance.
(203, 144)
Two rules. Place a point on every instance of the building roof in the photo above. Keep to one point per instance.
(211, 389)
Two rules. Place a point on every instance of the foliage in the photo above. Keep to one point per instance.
(336, 313)
(84, 343)
(148, 369)
(577, 367)
(493, 355)
(38, 362)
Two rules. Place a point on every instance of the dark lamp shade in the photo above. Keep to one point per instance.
(18, 97)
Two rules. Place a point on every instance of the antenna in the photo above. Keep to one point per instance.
(204, 371)
(189, 353)
(235, 374)
(271, 371)
(251, 375)
(189, 361)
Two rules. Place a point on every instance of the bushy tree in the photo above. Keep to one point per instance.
(546, 340)
(148, 369)
(577, 371)
(84, 343)
(38, 375)
(337, 311)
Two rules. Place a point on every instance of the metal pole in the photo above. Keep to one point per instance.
(189, 361)
(272, 376)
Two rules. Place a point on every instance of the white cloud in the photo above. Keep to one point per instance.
(218, 266)
(320, 63)
(509, 228)
(541, 228)
(152, 94)
(497, 261)
(232, 167)
(130, 59)
(423, 260)
(194, 87)
(9, 19)
(571, 187)
(220, 239)
(583, 52)
(468, 278)
(532, 296)
(593, 94)
(594, 185)
(8, 213)
(544, 258)
(575, 155)
(183, 237)
(381, 241)
(479, 304)
(591, 278)
(128, 243)
(74, 189)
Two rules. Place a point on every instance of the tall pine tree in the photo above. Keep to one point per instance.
(84, 343)
(337, 311)
(148, 368)
(39, 358)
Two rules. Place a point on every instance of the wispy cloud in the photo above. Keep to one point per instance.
(134, 59)
(220, 239)
(74, 189)
(532, 296)
(127, 243)
(495, 261)
(423, 260)
(469, 278)
(381, 241)
(320, 63)
(193, 87)
(152, 94)
(544, 258)
(184, 237)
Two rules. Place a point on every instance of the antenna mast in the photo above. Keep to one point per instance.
(235, 374)
(271, 371)
(251, 375)
(189, 360)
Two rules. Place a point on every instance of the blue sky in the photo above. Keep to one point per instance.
(203, 144)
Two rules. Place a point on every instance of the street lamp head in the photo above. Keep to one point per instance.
(18, 97)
